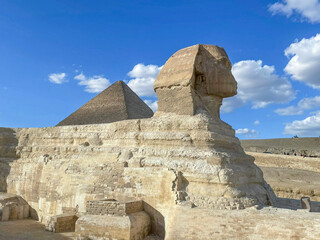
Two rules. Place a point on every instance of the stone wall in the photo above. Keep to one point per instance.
(130, 216)
(105, 207)
(113, 207)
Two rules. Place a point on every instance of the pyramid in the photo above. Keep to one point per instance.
(117, 102)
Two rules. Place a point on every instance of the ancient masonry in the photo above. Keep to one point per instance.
(181, 174)
(116, 103)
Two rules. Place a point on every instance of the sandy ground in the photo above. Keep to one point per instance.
(285, 161)
(306, 146)
(290, 176)
(197, 223)
(29, 230)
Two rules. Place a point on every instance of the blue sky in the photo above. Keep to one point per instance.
(57, 55)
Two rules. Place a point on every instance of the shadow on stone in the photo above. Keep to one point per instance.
(8, 145)
(290, 203)
(157, 221)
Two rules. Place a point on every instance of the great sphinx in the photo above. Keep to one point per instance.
(194, 82)
(183, 156)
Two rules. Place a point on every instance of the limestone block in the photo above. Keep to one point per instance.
(61, 223)
(135, 226)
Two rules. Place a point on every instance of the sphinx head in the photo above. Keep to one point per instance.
(195, 79)
(213, 72)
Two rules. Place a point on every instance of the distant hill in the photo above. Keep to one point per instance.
(309, 147)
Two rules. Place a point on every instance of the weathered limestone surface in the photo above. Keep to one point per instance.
(8, 144)
(163, 161)
(195, 79)
(109, 160)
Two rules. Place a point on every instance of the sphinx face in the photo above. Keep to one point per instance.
(223, 83)
(214, 68)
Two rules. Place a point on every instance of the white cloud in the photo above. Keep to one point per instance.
(152, 104)
(247, 132)
(259, 85)
(57, 78)
(143, 79)
(304, 64)
(304, 104)
(257, 122)
(229, 104)
(308, 9)
(93, 84)
(291, 110)
(308, 127)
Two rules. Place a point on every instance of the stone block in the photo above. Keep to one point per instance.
(61, 223)
(135, 226)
